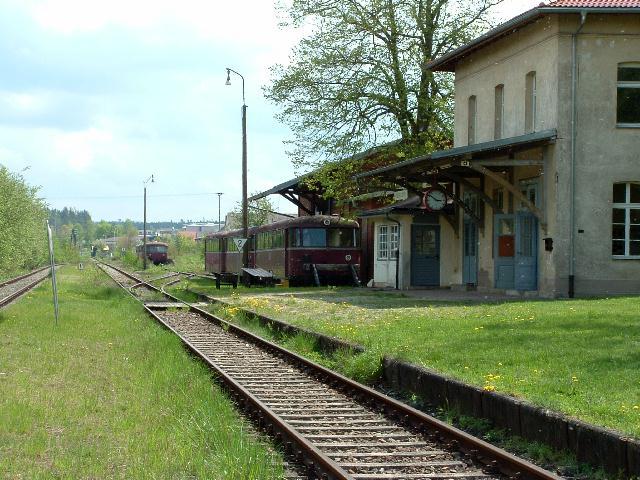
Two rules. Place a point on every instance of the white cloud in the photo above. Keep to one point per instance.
(80, 150)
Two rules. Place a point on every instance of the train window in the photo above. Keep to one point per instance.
(294, 238)
(341, 237)
(314, 237)
(212, 245)
(278, 239)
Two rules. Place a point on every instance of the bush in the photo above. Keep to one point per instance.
(23, 234)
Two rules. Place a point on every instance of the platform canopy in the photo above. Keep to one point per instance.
(459, 165)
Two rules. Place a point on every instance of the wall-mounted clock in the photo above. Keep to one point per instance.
(435, 199)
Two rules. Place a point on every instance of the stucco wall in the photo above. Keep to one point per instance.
(507, 62)
(605, 154)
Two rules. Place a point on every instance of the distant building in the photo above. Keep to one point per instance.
(200, 229)
(233, 220)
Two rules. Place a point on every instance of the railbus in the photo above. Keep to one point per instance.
(303, 250)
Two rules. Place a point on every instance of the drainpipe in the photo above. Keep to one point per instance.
(398, 249)
(574, 134)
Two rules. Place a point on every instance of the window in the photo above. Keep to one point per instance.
(529, 189)
(294, 238)
(625, 230)
(498, 131)
(394, 241)
(628, 112)
(314, 237)
(383, 242)
(471, 128)
(341, 237)
(530, 110)
(212, 245)
(388, 242)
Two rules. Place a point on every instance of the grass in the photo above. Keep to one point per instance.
(579, 357)
(109, 394)
(366, 368)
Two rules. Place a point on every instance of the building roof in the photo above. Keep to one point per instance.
(471, 152)
(595, 3)
(447, 62)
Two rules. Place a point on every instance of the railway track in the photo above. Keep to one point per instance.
(335, 427)
(13, 288)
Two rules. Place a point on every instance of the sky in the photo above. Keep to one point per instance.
(95, 97)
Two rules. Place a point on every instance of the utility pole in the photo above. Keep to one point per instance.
(219, 222)
(245, 212)
(144, 225)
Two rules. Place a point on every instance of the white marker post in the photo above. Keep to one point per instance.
(53, 272)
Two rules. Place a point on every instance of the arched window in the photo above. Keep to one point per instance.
(530, 107)
(472, 121)
(498, 130)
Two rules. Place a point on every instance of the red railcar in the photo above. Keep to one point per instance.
(303, 250)
(156, 252)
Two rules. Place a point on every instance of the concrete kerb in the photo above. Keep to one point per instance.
(591, 444)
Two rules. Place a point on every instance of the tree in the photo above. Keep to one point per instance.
(360, 78)
(259, 212)
(104, 229)
(23, 237)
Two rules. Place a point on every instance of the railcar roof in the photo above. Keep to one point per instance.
(304, 221)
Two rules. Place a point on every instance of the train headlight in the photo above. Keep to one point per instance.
(347, 257)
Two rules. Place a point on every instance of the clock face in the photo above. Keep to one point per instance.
(436, 199)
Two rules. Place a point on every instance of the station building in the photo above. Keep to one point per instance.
(541, 191)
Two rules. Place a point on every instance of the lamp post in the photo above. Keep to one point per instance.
(245, 216)
(219, 195)
(144, 225)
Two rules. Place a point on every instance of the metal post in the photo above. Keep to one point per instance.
(245, 209)
(144, 225)
(219, 222)
(53, 273)
(245, 213)
(144, 232)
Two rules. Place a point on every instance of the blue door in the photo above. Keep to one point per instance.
(516, 251)
(470, 253)
(504, 250)
(526, 258)
(425, 255)
(470, 240)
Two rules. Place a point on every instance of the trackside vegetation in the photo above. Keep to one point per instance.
(578, 357)
(110, 394)
(22, 225)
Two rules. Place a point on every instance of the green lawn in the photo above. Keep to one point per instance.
(109, 394)
(580, 357)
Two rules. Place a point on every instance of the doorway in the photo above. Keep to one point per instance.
(425, 255)
(516, 251)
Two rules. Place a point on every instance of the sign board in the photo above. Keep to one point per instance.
(239, 242)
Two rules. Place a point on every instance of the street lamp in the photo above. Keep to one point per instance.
(144, 225)
(219, 195)
(245, 216)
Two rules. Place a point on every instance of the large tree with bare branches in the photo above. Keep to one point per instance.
(359, 78)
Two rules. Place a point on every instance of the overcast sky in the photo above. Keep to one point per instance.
(95, 96)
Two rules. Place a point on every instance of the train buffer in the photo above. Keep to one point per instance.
(257, 276)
